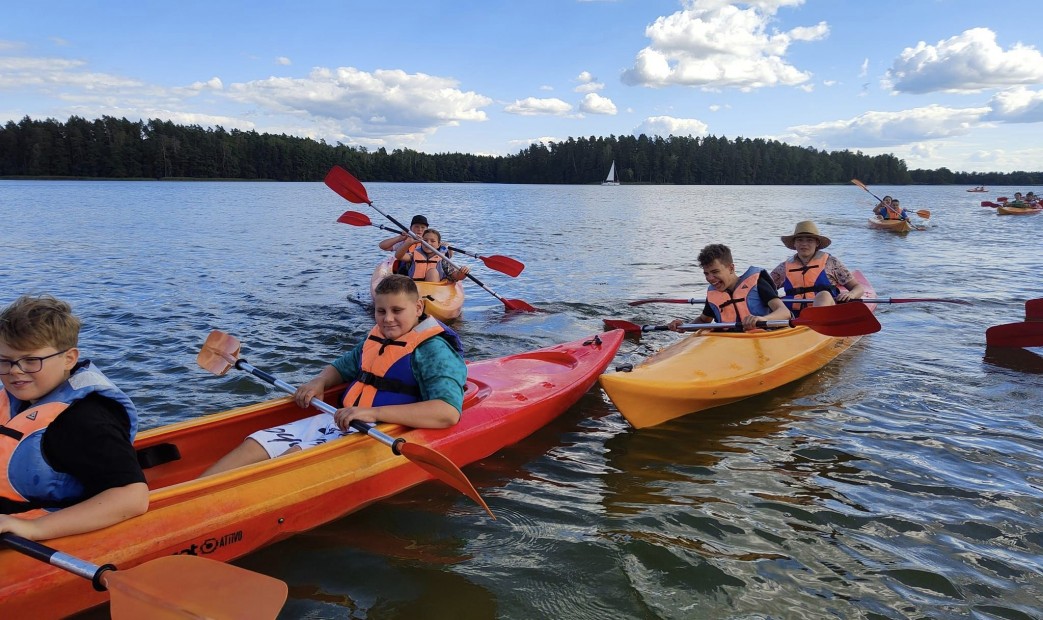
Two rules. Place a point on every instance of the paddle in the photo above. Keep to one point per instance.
(924, 213)
(989, 203)
(1027, 334)
(172, 586)
(348, 187)
(1034, 310)
(503, 264)
(839, 321)
(790, 300)
(220, 353)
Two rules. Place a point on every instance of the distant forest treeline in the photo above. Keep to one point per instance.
(116, 148)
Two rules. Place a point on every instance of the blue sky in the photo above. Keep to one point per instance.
(955, 83)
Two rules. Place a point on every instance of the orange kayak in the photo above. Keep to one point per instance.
(713, 368)
(226, 516)
(443, 300)
(1012, 210)
(900, 226)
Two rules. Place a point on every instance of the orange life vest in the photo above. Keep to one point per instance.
(729, 308)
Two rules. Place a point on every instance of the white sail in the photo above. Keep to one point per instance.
(611, 179)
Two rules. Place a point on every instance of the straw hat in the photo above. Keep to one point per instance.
(806, 228)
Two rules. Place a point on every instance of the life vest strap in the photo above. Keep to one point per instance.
(383, 384)
(12, 433)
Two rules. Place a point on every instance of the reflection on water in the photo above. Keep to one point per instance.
(902, 480)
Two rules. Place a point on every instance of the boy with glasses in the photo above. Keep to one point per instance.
(67, 460)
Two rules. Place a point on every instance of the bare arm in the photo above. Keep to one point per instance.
(389, 243)
(104, 509)
(315, 388)
(432, 413)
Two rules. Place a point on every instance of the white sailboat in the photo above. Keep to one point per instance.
(611, 179)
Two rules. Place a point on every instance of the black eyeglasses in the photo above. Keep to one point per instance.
(27, 365)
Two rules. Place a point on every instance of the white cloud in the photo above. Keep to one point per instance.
(1017, 105)
(864, 69)
(531, 106)
(873, 129)
(594, 103)
(968, 62)
(713, 44)
(670, 126)
(284, 61)
(531, 141)
(587, 83)
(389, 104)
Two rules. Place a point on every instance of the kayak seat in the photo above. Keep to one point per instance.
(158, 454)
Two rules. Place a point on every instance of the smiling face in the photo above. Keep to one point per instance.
(806, 246)
(33, 386)
(720, 276)
(397, 313)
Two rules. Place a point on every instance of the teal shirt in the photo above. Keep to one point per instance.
(439, 370)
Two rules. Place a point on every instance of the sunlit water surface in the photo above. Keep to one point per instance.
(903, 480)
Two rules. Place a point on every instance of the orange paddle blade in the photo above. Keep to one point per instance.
(219, 353)
(442, 468)
(185, 586)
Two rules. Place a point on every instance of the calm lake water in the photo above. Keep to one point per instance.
(904, 480)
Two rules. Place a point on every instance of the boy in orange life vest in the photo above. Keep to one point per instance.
(423, 265)
(66, 454)
(408, 370)
(811, 273)
(731, 298)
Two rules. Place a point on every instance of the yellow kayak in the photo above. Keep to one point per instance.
(879, 223)
(1015, 210)
(712, 368)
(443, 300)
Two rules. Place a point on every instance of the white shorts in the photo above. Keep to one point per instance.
(305, 433)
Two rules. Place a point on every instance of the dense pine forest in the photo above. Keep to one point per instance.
(116, 148)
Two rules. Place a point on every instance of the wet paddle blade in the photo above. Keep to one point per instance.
(626, 326)
(355, 218)
(219, 353)
(839, 321)
(442, 468)
(989, 203)
(517, 305)
(1034, 310)
(924, 213)
(347, 186)
(185, 586)
(1029, 334)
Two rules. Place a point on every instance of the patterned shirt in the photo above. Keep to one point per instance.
(837, 273)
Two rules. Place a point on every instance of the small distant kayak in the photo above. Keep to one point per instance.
(1012, 210)
(899, 226)
(978, 189)
(443, 300)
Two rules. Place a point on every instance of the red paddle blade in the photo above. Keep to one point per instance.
(860, 184)
(1029, 334)
(503, 264)
(517, 305)
(1034, 310)
(341, 181)
(839, 321)
(626, 326)
(1001, 199)
(442, 468)
(355, 218)
(989, 203)
(185, 586)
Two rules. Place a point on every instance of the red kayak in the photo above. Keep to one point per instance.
(226, 516)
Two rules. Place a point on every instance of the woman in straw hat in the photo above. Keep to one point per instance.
(812, 273)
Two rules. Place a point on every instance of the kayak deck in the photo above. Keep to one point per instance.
(710, 368)
(225, 516)
(901, 226)
(443, 300)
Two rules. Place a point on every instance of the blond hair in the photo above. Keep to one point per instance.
(37, 322)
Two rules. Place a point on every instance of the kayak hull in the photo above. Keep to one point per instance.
(1008, 210)
(709, 369)
(443, 300)
(226, 516)
(899, 226)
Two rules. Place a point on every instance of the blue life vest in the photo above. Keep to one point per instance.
(28, 477)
